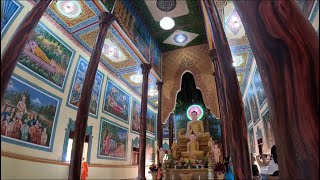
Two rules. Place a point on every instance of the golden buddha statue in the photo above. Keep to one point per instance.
(195, 127)
(193, 151)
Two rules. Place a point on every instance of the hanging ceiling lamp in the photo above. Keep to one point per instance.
(166, 22)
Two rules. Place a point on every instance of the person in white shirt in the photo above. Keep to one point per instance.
(273, 168)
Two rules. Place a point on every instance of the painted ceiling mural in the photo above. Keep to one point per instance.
(186, 15)
(239, 45)
(80, 19)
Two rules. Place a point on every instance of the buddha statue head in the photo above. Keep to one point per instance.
(193, 138)
(194, 115)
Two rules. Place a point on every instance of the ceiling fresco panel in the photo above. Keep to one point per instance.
(74, 15)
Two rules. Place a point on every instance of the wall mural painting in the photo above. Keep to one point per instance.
(252, 141)
(259, 87)
(28, 115)
(131, 23)
(135, 116)
(76, 88)
(149, 151)
(47, 56)
(116, 101)
(253, 104)
(247, 112)
(151, 119)
(266, 119)
(9, 11)
(112, 141)
(155, 57)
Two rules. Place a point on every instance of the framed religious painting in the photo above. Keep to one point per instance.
(116, 102)
(113, 141)
(29, 115)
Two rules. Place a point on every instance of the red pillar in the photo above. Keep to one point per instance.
(222, 103)
(106, 20)
(286, 48)
(144, 101)
(159, 120)
(171, 117)
(235, 124)
(15, 47)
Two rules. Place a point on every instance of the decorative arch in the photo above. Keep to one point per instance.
(70, 127)
(195, 60)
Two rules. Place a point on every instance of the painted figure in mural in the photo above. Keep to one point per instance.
(14, 128)
(44, 137)
(161, 155)
(33, 132)
(117, 103)
(5, 119)
(22, 107)
(36, 50)
(106, 144)
(93, 103)
(136, 118)
(119, 152)
(25, 131)
(196, 127)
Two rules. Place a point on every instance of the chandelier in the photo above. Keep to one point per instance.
(166, 22)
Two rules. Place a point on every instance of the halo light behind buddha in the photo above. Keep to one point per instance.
(196, 108)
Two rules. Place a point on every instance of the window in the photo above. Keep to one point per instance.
(69, 147)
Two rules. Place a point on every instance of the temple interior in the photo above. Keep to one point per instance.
(159, 89)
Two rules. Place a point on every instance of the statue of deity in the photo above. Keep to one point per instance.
(174, 148)
(195, 127)
(210, 143)
(161, 154)
(193, 151)
(217, 152)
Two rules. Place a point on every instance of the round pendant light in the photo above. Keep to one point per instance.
(167, 23)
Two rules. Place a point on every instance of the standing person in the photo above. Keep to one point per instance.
(255, 170)
(229, 167)
(273, 169)
(84, 169)
(263, 163)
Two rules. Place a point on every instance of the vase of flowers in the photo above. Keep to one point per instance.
(219, 170)
(153, 171)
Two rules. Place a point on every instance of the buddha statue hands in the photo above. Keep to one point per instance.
(193, 151)
(196, 127)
